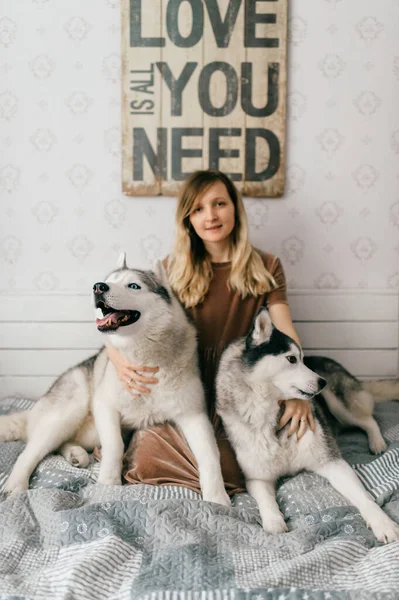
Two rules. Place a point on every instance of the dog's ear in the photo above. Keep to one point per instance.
(160, 274)
(121, 263)
(263, 327)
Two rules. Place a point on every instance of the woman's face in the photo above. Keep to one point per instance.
(213, 215)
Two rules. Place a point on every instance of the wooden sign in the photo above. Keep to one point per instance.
(203, 86)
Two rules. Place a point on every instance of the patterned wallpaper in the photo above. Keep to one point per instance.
(63, 216)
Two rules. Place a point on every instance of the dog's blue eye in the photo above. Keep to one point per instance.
(292, 359)
(134, 286)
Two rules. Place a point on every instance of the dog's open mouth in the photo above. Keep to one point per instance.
(110, 319)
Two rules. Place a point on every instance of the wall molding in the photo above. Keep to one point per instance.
(46, 332)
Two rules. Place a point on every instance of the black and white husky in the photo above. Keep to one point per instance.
(88, 405)
(258, 371)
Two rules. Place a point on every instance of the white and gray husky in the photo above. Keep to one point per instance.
(267, 366)
(88, 405)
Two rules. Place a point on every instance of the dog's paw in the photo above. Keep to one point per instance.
(377, 445)
(275, 524)
(219, 497)
(14, 486)
(77, 456)
(384, 529)
(109, 480)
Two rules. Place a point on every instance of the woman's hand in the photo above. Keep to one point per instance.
(128, 373)
(300, 414)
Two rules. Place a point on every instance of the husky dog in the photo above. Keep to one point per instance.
(267, 366)
(88, 405)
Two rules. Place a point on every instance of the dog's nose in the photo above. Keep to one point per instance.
(100, 288)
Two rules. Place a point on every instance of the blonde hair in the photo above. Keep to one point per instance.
(189, 266)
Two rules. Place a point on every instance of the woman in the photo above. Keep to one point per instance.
(222, 282)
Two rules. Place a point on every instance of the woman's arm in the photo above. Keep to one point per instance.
(297, 411)
(281, 317)
(128, 373)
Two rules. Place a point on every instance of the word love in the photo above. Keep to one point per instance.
(222, 28)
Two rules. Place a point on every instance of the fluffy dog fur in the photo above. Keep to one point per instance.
(258, 371)
(88, 405)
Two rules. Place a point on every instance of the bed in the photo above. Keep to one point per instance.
(69, 538)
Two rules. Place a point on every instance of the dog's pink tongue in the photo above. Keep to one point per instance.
(111, 317)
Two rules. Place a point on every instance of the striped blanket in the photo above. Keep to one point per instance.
(69, 538)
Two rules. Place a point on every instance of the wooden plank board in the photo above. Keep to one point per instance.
(220, 89)
(308, 305)
(39, 308)
(348, 335)
(40, 362)
(50, 335)
(344, 306)
(224, 39)
(24, 387)
(179, 71)
(377, 363)
(363, 363)
(312, 335)
(265, 135)
(143, 142)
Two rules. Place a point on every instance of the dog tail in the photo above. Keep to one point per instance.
(13, 427)
(382, 389)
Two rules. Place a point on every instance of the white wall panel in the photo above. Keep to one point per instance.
(312, 335)
(364, 363)
(50, 335)
(38, 362)
(348, 335)
(43, 334)
(24, 387)
(305, 305)
(342, 305)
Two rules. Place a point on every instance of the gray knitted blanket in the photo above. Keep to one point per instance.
(69, 538)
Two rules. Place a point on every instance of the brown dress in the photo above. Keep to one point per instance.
(160, 455)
